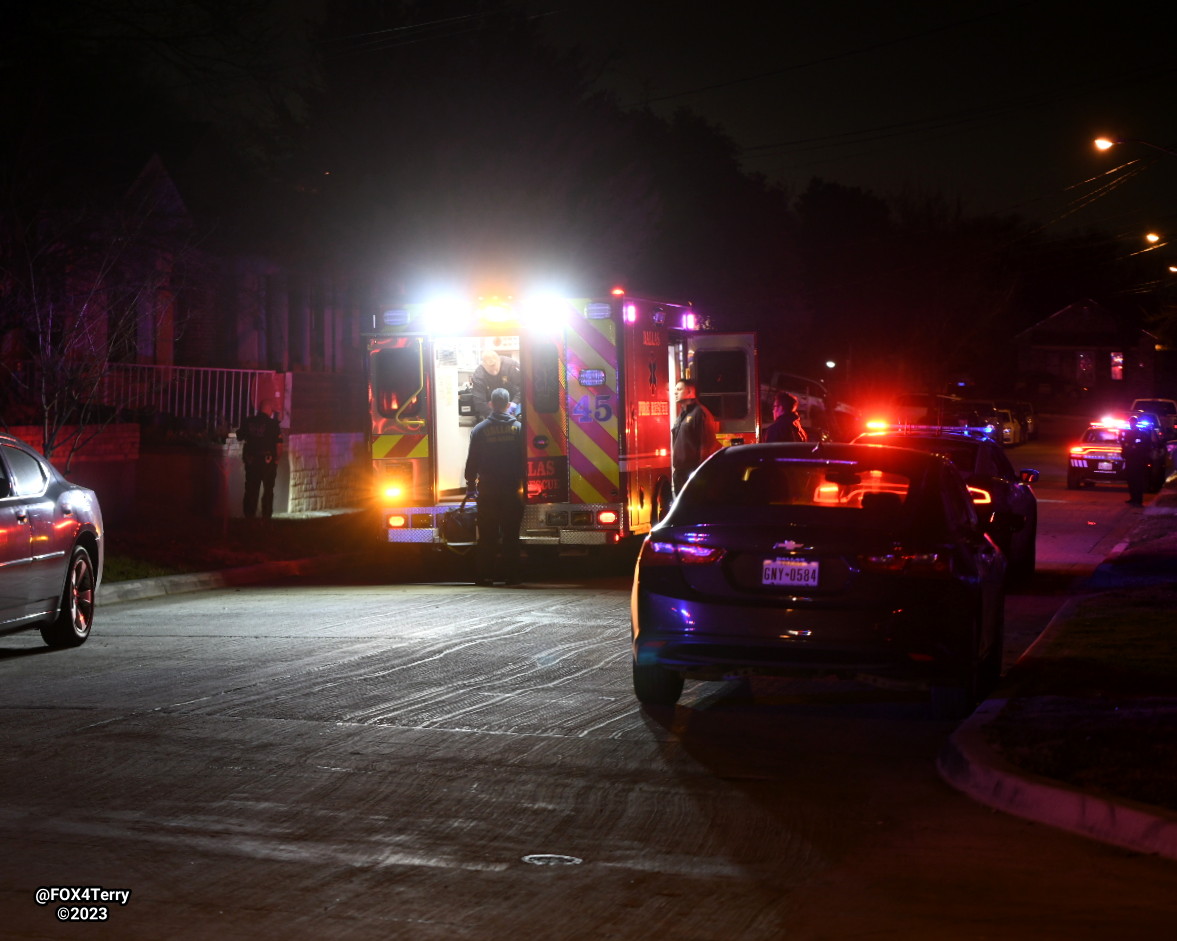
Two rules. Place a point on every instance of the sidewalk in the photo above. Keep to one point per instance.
(1093, 700)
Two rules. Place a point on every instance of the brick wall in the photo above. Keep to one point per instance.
(326, 471)
(112, 443)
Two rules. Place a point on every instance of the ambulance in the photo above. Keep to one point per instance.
(596, 379)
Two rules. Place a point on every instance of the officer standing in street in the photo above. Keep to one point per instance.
(261, 438)
(1136, 446)
(494, 477)
(693, 437)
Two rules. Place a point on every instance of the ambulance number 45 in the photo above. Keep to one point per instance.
(593, 408)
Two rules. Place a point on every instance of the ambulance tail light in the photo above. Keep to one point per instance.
(394, 482)
(608, 517)
(397, 521)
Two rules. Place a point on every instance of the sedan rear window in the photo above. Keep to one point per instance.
(768, 482)
(28, 477)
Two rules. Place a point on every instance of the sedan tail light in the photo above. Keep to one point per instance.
(905, 562)
(664, 552)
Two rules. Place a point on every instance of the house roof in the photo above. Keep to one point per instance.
(1084, 323)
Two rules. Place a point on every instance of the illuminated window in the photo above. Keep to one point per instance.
(1117, 366)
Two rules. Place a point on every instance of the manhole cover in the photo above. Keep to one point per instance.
(551, 859)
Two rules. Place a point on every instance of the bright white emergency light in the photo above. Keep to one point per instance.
(544, 314)
(447, 315)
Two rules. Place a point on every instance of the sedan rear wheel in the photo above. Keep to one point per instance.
(73, 622)
(655, 685)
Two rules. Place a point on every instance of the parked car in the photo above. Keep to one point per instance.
(1004, 499)
(1164, 409)
(848, 559)
(1097, 457)
(1009, 429)
(1024, 415)
(51, 559)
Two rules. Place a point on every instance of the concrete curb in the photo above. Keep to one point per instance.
(139, 589)
(969, 764)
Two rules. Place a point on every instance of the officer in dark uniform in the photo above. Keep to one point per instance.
(786, 420)
(495, 372)
(1136, 446)
(692, 437)
(261, 438)
(494, 476)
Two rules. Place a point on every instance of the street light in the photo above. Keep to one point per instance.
(1107, 143)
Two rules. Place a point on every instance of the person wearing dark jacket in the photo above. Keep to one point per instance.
(261, 446)
(494, 477)
(693, 437)
(495, 372)
(786, 420)
(1136, 447)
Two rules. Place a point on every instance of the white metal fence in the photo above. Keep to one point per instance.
(213, 397)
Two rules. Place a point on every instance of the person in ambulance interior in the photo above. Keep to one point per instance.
(693, 435)
(786, 420)
(494, 477)
(496, 372)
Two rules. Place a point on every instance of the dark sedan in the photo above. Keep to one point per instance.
(842, 559)
(50, 548)
(1003, 496)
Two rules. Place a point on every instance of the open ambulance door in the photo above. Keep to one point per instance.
(723, 366)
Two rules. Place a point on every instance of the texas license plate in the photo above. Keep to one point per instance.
(1104, 465)
(789, 572)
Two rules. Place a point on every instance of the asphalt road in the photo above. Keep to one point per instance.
(436, 761)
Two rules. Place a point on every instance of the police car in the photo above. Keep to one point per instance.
(1097, 457)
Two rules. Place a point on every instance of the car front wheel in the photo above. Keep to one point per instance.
(72, 625)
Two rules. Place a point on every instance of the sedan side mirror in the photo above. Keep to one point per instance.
(1028, 476)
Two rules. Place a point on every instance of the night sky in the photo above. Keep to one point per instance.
(994, 103)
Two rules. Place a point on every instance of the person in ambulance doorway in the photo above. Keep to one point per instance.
(786, 420)
(693, 437)
(261, 447)
(495, 372)
(494, 478)
(1136, 446)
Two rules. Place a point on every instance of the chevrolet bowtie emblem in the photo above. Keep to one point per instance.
(788, 544)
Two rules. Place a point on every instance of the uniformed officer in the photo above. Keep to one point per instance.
(495, 372)
(693, 435)
(1136, 447)
(494, 476)
(261, 437)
